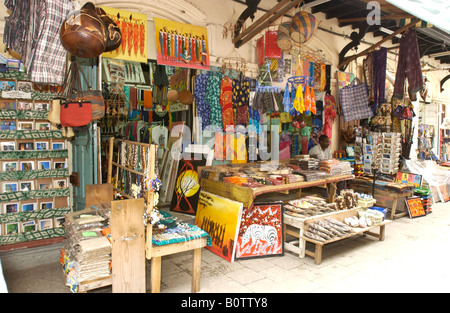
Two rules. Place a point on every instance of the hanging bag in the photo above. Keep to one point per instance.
(354, 101)
(75, 111)
(95, 97)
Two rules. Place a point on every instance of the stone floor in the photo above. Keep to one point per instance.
(414, 257)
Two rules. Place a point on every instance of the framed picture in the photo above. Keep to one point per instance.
(7, 105)
(58, 145)
(25, 86)
(28, 207)
(12, 228)
(27, 165)
(46, 205)
(59, 184)
(26, 186)
(26, 146)
(415, 207)
(215, 212)
(11, 207)
(42, 126)
(368, 149)
(45, 224)
(45, 186)
(41, 106)
(10, 166)
(8, 145)
(43, 165)
(10, 187)
(8, 125)
(59, 165)
(41, 145)
(258, 237)
(7, 85)
(25, 126)
(25, 106)
(28, 226)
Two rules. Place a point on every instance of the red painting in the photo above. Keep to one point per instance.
(260, 233)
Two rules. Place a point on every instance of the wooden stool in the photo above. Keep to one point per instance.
(157, 252)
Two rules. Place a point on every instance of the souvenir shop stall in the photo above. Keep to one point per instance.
(237, 158)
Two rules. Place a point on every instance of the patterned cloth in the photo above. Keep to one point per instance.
(48, 62)
(408, 67)
(212, 97)
(226, 102)
(241, 92)
(379, 77)
(354, 101)
(199, 94)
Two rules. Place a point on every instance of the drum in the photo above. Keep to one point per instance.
(284, 39)
(303, 26)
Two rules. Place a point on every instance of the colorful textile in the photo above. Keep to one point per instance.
(201, 82)
(330, 115)
(212, 97)
(408, 67)
(241, 92)
(299, 105)
(226, 102)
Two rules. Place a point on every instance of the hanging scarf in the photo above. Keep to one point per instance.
(307, 100)
(299, 104)
(287, 99)
(313, 102)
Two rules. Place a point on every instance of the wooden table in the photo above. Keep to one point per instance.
(247, 195)
(388, 199)
(300, 225)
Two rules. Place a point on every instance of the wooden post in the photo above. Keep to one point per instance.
(110, 158)
(128, 246)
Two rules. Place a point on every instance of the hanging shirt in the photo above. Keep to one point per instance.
(160, 135)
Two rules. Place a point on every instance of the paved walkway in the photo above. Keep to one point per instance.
(414, 257)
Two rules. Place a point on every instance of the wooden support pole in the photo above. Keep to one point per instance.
(374, 46)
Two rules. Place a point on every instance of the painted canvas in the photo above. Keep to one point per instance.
(220, 218)
(133, 27)
(187, 187)
(415, 207)
(182, 45)
(261, 231)
(411, 178)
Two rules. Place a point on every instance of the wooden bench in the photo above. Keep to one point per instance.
(295, 227)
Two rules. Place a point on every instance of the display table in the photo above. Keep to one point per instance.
(296, 226)
(247, 195)
(390, 199)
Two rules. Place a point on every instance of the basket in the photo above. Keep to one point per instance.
(366, 203)
(374, 215)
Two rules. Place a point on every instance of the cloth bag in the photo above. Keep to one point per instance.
(75, 110)
(354, 101)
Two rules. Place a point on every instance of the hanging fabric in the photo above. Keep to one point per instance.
(379, 77)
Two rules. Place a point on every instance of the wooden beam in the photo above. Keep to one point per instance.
(374, 46)
(261, 20)
(385, 17)
(271, 16)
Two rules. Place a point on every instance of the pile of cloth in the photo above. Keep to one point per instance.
(86, 254)
(306, 164)
(336, 167)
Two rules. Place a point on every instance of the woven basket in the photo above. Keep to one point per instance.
(375, 216)
(303, 27)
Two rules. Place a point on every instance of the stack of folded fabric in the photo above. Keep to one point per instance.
(86, 255)
(336, 167)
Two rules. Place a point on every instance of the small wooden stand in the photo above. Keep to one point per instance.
(295, 226)
(155, 252)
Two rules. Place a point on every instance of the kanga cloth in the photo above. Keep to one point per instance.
(199, 95)
(355, 101)
(226, 102)
(212, 97)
